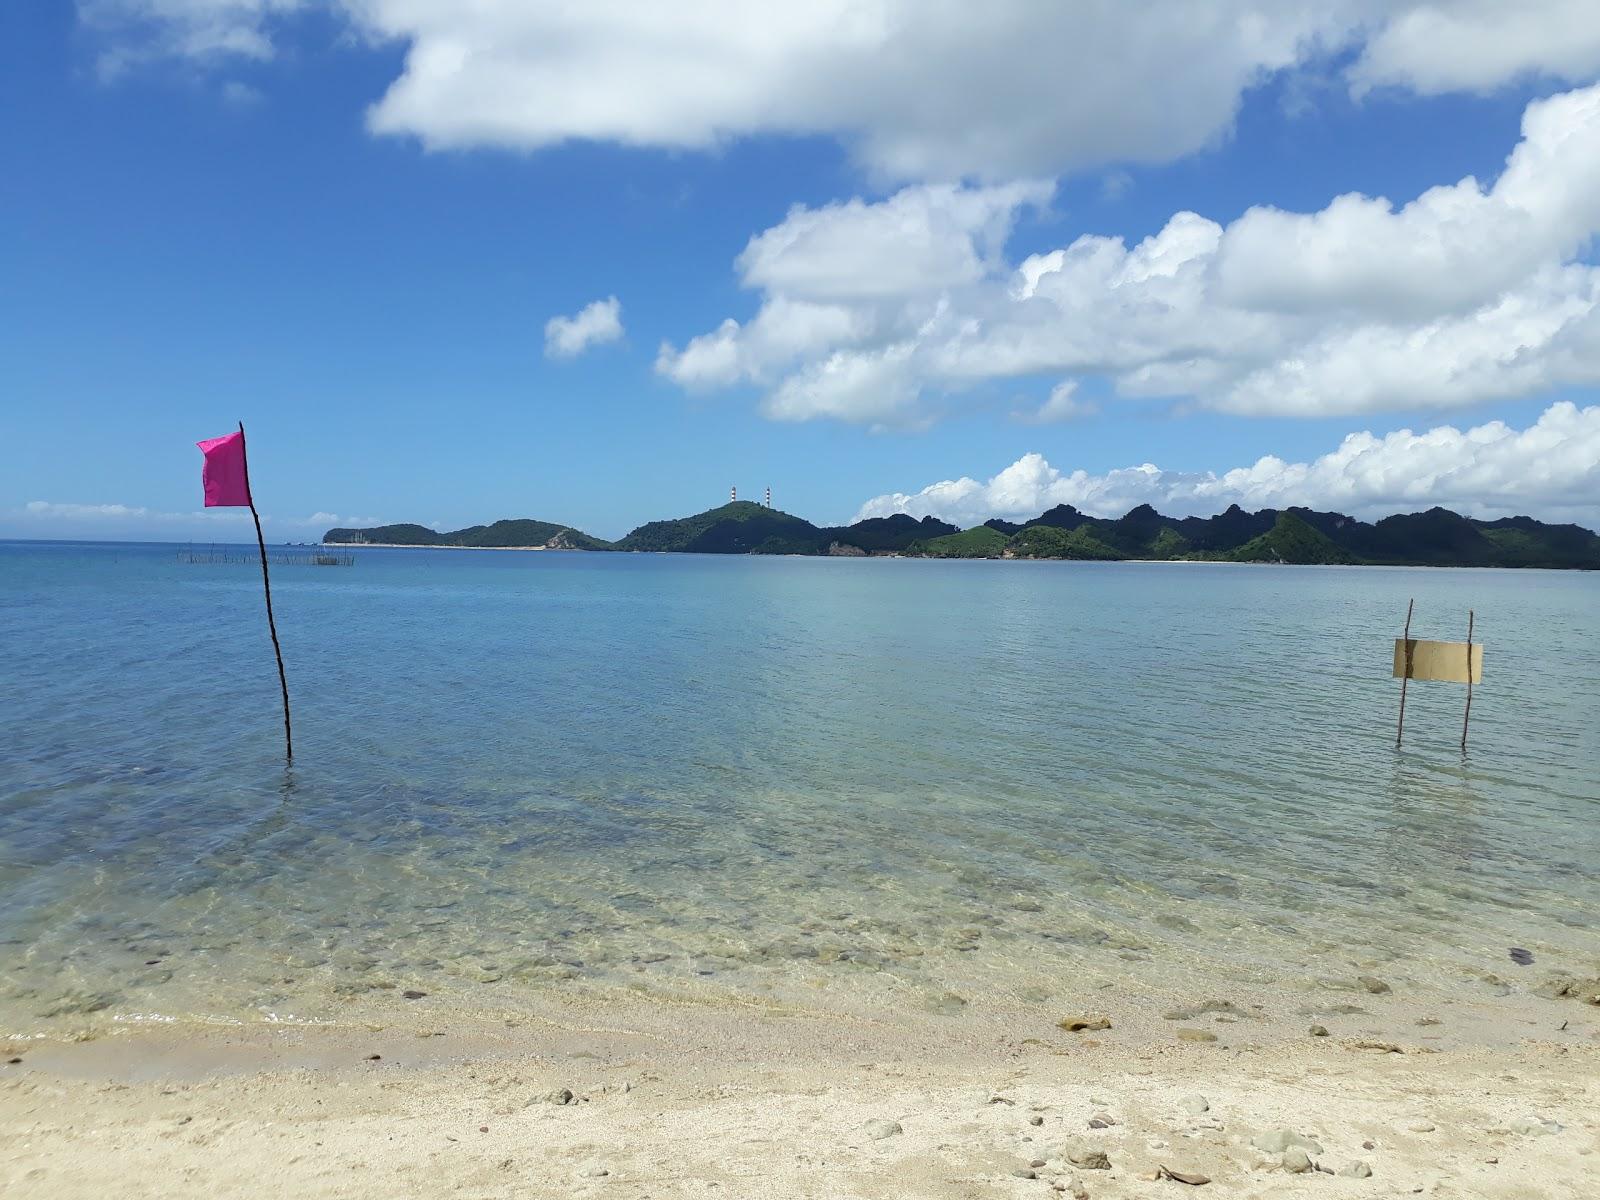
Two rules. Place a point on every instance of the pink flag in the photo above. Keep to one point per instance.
(226, 481)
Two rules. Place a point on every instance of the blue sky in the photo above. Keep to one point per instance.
(277, 211)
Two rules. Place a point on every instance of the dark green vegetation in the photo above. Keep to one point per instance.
(1291, 540)
(979, 542)
(1437, 537)
(742, 527)
(519, 533)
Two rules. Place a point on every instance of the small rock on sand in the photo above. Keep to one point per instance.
(1196, 1035)
(1296, 1161)
(558, 1096)
(1073, 1186)
(1035, 1120)
(1376, 986)
(1422, 1127)
(1276, 1141)
(1536, 1126)
(1356, 1170)
(879, 1129)
(1102, 1120)
(1319, 1031)
(1587, 990)
(1195, 1105)
(1088, 1021)
(1089, 1158)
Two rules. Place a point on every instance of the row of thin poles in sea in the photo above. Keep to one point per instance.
(315, 556)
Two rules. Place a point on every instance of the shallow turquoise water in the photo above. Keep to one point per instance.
(868, 783)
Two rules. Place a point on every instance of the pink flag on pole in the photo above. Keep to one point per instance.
(226, 482)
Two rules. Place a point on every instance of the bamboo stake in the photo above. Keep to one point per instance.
(1404, 679)
(1467, 716)
(266, 588)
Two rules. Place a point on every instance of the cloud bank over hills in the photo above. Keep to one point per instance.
(1550, 470)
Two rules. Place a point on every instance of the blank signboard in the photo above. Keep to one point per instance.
(1446, 661)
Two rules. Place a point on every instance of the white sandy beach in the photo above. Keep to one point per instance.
(677, 1100)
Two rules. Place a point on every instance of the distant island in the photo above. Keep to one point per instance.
(502, 535)
(1435, 538)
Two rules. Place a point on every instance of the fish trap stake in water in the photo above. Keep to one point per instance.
(1449, 662)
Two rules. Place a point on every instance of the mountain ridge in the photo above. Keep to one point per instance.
(1295, 535)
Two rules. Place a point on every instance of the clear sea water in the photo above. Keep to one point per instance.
(860, 784)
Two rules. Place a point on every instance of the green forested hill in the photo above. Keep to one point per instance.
(1437, 537)
(980, 542)
(1291, 540)
(887, 535)
(741, 527)
(502, 534)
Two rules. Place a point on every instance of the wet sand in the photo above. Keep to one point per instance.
(1490, 1097)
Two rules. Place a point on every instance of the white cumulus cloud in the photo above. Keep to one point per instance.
(593, 325)
(1476, 45)
(1473, 291)
(917, 89)
(1549, 470)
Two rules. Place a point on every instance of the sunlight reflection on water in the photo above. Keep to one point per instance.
(868, 783)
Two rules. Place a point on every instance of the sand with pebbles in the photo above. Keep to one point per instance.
(1498, 1099)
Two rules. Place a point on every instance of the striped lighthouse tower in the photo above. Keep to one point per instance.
(733, 493)
(769, 495)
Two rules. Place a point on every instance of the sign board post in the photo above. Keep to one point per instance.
(1449, 662)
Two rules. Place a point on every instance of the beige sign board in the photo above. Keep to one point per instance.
(1445, 661)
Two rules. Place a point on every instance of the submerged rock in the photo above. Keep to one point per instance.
(77, 1003)
(1221, 1007)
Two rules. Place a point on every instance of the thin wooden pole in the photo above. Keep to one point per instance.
(1404, 679)
(266, 588)
(1467, 716)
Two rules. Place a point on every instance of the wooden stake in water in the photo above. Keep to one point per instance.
(1404, 679)
(266, 587)
(1467, 716)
